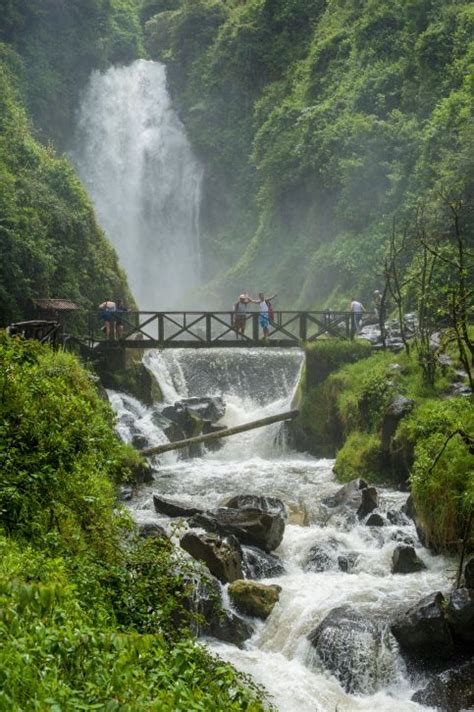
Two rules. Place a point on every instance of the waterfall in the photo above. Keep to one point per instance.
(133, 155)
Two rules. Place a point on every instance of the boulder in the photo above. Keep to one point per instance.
(409, 508)
(208, 427)
(402, 537)
(222, 556)
(211, 408)
(174, 508)
(369, 502)
(125, 494)
(460, 614)
(347, 561)
(256, 501)
(188, 421)
(254, 599)
(258, 564)
(322, 556)
(449, 691)
(355, 648)
(423, 631)
(397, 517)
(375, 520)
(397, 409)
(151, 529)
(139, 441)
(405, 560)
(206, 601)
(348, 496)
(250, 525)
(469, 574)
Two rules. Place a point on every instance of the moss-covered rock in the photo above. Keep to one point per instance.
(254, 599)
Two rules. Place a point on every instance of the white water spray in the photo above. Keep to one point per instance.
(137, 164)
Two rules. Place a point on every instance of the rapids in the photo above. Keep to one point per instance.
(254, 382)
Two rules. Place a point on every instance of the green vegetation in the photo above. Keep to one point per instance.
(318, 122)
(91, 617)
(344, 413)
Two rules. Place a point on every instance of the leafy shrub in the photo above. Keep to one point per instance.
(360, 456)
(326, 356)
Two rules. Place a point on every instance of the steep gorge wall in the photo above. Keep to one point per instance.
(318, 122)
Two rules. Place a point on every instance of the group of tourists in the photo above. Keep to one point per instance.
(111, 316)
(266, 312)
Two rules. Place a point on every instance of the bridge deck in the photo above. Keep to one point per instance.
(204, 329)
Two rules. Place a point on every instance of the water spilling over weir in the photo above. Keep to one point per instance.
(136, 162)
(366, 662)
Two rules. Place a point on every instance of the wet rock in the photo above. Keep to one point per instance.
(140, 442)
(215, 620)
(151, 529)
(125, 494)
(356, 649)
(469, 574)
(398, 408)
(423, 631)
(211, 408)
(222, 556)
(347, 562)
(208, 427)
(406, 561)
(402, 537)
(460, 614)
(397, 517)
(254, 599)
(449, 691)
(258, 564)
(349, 495)
(188, 421)
(174, 508)
(256, 501)
(375, 520)
(322, 556)
(409, 508)
(250, 525)
(369, 502)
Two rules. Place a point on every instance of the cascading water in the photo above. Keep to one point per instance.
(137, 164)
(297, 676)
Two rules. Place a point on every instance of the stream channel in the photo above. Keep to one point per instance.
(255, 383)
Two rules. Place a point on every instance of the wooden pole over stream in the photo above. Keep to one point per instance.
(225, 433)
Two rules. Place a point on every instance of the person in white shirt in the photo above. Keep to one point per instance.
(240, 314)
(357, 310)
(264, 309)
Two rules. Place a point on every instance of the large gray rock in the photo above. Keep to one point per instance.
(322, 556)
(369, 502)
(251, 526)
(348, 496)
(256, 501)
(460, 614)
(221, 556)
(356, 649)
(449, 691)
(406, 561)
(211, 408)
(186, 420)
(174, 508)
(423, 632)
(375, 520)
(258, 564)
(148, 530)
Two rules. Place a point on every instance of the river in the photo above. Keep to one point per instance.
(253, 383)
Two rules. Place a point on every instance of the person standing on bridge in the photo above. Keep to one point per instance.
(106, 312)
(263, 305)
(240, 314)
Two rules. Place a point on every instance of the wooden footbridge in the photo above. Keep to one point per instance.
(208, 329)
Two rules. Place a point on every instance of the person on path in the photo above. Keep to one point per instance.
(357, 309)
(264, 311)
(240, 314)
(106, 312)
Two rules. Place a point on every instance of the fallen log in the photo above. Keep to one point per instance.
(179, 444)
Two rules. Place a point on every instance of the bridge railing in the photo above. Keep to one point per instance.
(209, 328)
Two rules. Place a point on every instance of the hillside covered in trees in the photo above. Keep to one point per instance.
(320, 123)
(51, 244)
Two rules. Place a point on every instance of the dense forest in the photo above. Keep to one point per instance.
(320, 122)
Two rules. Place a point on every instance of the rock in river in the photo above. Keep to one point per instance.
(258, 564)
(254, 599)
(221, 556)
(356, 649)
(405, 560)
(460, 615)
(450, 691)
(250, 525)
(355, 495)
(256, 501)
(174, 508)
(423, 631)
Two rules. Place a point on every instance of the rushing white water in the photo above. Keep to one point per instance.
(137, 164)
(279, 655)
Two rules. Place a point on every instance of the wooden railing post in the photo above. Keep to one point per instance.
(208, 328)
(255, 327)
(303, 326)
(161, 329)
